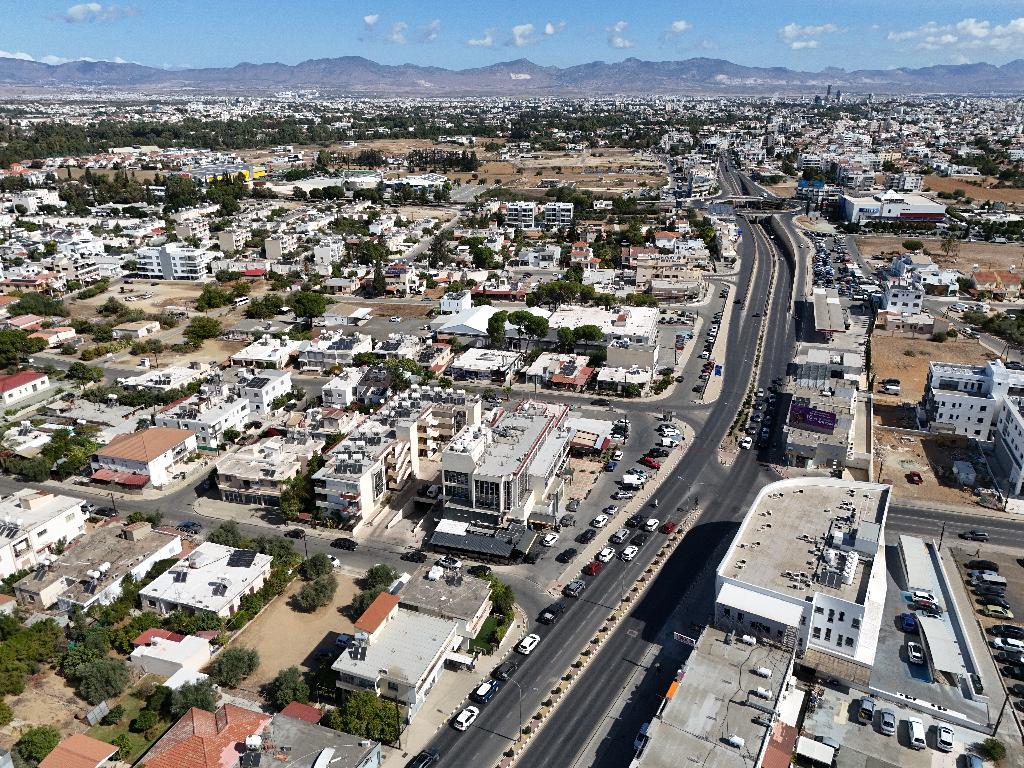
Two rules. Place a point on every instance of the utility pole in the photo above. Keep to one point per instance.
(113, 504)
(519, 734)
(941, 534)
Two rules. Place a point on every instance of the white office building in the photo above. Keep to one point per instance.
(209, 415)
(967, 399)
(173, 262)
(903, 297)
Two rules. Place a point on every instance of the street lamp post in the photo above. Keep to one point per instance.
(519, 733)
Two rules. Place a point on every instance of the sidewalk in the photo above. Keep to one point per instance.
(448, 696)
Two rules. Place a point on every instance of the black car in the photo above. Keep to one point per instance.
(587, 536)
(344, 543)
(635, 521)
(531, 558)
(639, 539)
(567, 555)
(657, 453)
(296, 533)
(601, 402)
(993, 600)
(552, 613)
(106, 512)
(424, 759)
(987, 590)
(190, 528)
(505, 670)
(1010, 657)
(982, 565)
(416, 556)
(1017, 673)
(1007, 630)
(480, 571)
(1017, 689)
(567, 521)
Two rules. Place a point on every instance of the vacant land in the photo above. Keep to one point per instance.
(895, 357)
(285, 637)
(932, 455)
(785, 189)
(48, 700)
(984, 255)
(980, 188)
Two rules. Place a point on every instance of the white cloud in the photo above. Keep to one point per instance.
(21, 55)
(616, 35)
(966, 34)
(679, 26)
(553, 29)
(51, 59)
(89, 12)
(522, 34)
(800, 36)
(397, 33)
(370, 19)
(429, 33)
(483, 42)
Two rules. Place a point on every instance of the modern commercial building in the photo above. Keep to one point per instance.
(806, 571)
(967, 399)
(31, 522)
(890, 206)
(150, 456)
(91, 572)
(829, 427)
(212, 579)
(398, 654)
(903, 297)
(208, 415)
(637, 325)
(173, 262)
(511, 471)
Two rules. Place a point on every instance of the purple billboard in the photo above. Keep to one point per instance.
(811, 419)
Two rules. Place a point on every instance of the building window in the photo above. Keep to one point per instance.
(828, 635)
(486, 494)
(842, 615)
(392, 686)
(849, 642)
(839, 641)
(816, 633)
(819, 609)
(831, 615)
(855, 623)
(727, 611)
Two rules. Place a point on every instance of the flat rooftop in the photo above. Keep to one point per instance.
(405, 647)
(710, 703)
(27, 508)
(783, 542)
(308, 741)
(455, 596)
(828, 312)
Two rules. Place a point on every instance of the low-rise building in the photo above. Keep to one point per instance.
(196, 228)
(16, 387)
(208, 415)
(828, 427)
(278, 246)
(90, 571)
(136, 330)
(400, 345)
(266, 352)
(456, 301)
(560, 371)
(257, 474)
(340, 391)
(163, 653)
(150, 456)
(398, 654)
(80, 751)
(890, 206)
(212, 579)
(332, 349)
(33, 521)
(476, 364)
(453, 597)
(263, 388)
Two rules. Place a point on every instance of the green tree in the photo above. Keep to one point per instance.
(233, 665)
(316, 566)
(36, 743)
(366, 715)
(496, 329)
(316, 594)
(6, 715)
(566, 339)
(201, 328)
(124, 745)
(199, 694)
(913, 245)
(992, 749)
(288, 686)
(437, 254)
(102, 679)
(14, 345)
(145, 720)
(502, 597)
(308, 304)
(84, 373)
(227, 534)
(379, 285)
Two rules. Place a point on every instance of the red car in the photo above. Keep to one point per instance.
(648, 461)
(592, 568)
(668, 527)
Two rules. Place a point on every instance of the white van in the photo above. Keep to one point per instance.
(241, 301)
(915, 733)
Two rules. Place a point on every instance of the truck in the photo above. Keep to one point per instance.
(633, 480)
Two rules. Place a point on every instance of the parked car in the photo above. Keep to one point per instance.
(635, 521)
(527, 644)
(992, 600)
(610, 510)
(639, 539)
(450, 563)
(944, 738)
(606, 554)
(465, 718)
(887, 722)
(623, 495)
(629, 553)
(611, 466)
(982, 565)
(668, 527)
(480, 571)
(746, 443)
(566, 555)
(296, 533)
(996, 612)
(1007, 630)
(552, 613)
(1008, 644)
(485, 691)
(344, 543)
(592, 568)
(505, 670)
(416, 556)
(424, 759)
(587, 536)
(549, 540)
(600, 521)
(649, 461)
(915, 653)
(652, 524)
(993, 590)
(907, 622)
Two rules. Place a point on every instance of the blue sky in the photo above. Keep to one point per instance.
(800, 35)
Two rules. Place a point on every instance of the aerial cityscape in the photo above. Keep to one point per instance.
(562, 385)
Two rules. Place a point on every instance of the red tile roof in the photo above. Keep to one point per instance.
(146, 638)
(202, 739)
(377, 612)
(15, 380)
(299, 711)
(79, 751)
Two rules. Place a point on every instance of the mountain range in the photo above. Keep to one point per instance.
(360, 76)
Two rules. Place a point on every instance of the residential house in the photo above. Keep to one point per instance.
(151, 456)
(33, 521)
(208, 415)
(16, 387)
(257, 474)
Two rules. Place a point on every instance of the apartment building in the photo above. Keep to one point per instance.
(903, 297)
(257, 474)
(509, 472)
(262, 388)
(279, 245)
(150, 456)
(267, 352)
(968, 399)
(232, 240)
(173, 262)
(332, 349)
(208, 415)
(30, 522)
(340, 391)
(831, 609)
(212, 579)
(197, 228)
(521, 215)
(904, 182)
(454, 302)
(558, 214)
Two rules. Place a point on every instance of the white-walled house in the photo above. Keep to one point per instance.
(138, 458)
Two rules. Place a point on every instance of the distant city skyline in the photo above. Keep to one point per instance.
(458, 35)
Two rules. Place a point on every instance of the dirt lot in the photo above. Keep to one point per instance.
(46, 699)
(985, 255)
(932, 456)
(976, 188)
(895, 357)
(284, 637)
(217, 350)
(787, 189)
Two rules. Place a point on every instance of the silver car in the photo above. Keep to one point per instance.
(887, 722)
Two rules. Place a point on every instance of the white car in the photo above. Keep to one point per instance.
(605, 555)
(915, 653)
(549, 540)
(922, 594)
(527, 644)
(394, 319)
(465, 718)
(746, 443)
(944, 738)
(1008, 644)
(652, 524)
(600, 521)
(617, 456)
(335, 562)
(705, 355)
(629, 553)
(623, 495)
